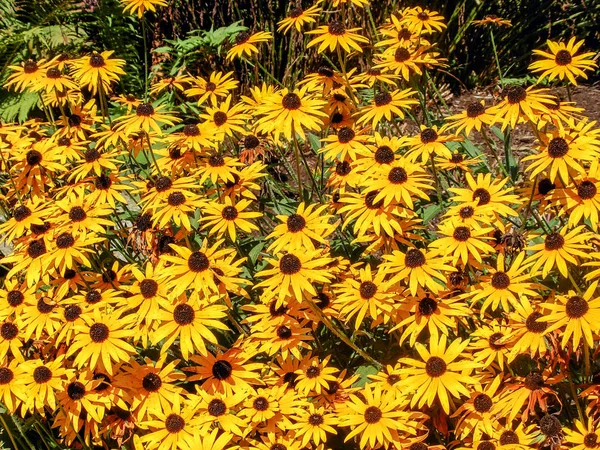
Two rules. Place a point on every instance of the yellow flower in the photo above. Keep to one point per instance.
(563, 61)
(98, 70)
(146, 117)
(298, 18)
(227, 217)
(388, 105)
(244, 43)
(337, 35)
(141, 6)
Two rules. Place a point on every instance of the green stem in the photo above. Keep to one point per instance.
(496, 57)
(152, 154)
(145, 60)
(435, 176)
(10, 436)
(575, 398)
(297, 155)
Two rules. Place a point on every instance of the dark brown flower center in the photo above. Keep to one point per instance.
(151, 382)
(373, 414)
(283, 332)
(216, 161)
(42, 374)
(323, 300)
(91, 155)
(229, 213)
(219, 118)
(427, 306)
(143, 222)
(96, 60)
(65, 240)
(482, 195)
(99, 332)
(174, 423)
(163, 184)
(576, 307)
(15, 298)
(21, 213)
(461, 234)
(74, 120)
(456, 158)
(384, 155)
(36, 248)
(534, 381)
(428, 135)
(345, 135)
(534, 325)
(435, 367)
(414, 258)
(397, 175)
(43, 307)
(144, 109)
(242, 37)
(210, 86)
(93, 297)
(198, 262)
(325, 71)
(545, 186)
(392, 379)
(401, 55)
(404, 34)
(313, 372)
(563, 57)
(493, 341)
(75, 390)
(475, 109)
(590, 440)
(8, 331)
(217, 407)
(222, 369)
(176, 198)
(369, 199)
(191, 129)
(63, 141)
(315, 420)
(418, 446)
(466, 212)
(482, 403)
(30, 66)
(33, 157)
(343, 168)
(53, 73)
(72, 313)
(296, 12)
(291, 101)
(148, 288)
(251, 142)
(77, 214)
(558, 147)
(290, 264)
(423, 16)
(295, 223)
(383, 98)
(550, 425)
(587, 190)
(516, 94)
(372, 71)
(184, 314)
(260, 404)
(486, 445)
(367, 289)
(509, 437)
(500, 280)
(336, 28)
(6, 375)
(103, 182)
(554, 241)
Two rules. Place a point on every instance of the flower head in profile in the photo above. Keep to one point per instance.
(141, 6)
(244, 43)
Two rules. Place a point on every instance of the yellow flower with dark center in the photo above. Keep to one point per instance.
(475, 116)
(563, 61)
(490, 344)
(302, 229)
(376, 416)
(488, 193)
(107, 189)
(288, 112)
(228, 217)
(520, 104)
(14, 296)
(462, 243)
(558, 249)
(337, 35)
(13, 387)
(44, 380)
(217, 86)
(529, 330)
(406, 61)
(365, 295)
(225, 119)
(325, 79)
(141, 6)
(399, 182)
(68, 250)
(373, 75)
(298, 17)
(416, 268)
(562, 153)
(176, 207)
(271, 408)
(219, 410)
(218, 167)
(358, 3)
(436, 313)
(387, 105)
(244, 43)
(293, 275)
(145, 292)
(129, 101)
(345, 144)
(77, 214)
(313, 424)
(53, 80)
(458, 161)
(228, 373)
(190, 323)
(397, 33)
(97, 69)
(194, 269)
(146, 117)
(422, 20)
(31, 212)
(582, 437)
(441, 373)
(429, 141)
(492, 19)
(578, 314)
(28, 74)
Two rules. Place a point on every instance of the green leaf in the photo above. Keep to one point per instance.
(253, 254)
(430, 211)
(364, 372)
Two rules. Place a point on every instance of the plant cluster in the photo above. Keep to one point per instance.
(339, 262)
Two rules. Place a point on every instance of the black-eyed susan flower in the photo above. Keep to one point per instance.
(139, 7)
(91, 70)
(298, 18)
(313, 424)
(218, 85)
(429, 141)
(578, 314)
(146, 118)
(387, 105)
(244, 43)
(558, 249)
(31, 212)
(174, 427)
(43, 380)
(227, 217)
(292, 274)
(218, 410)
(422, 20)
(176, 207)
(13, 387)
(406, 61)
(563, 61)
(345, 144)
(490, 344)
(441, 374)
(521, 104)
(28, 74)
(461, 244)
(584, 436)
(475, 116)
(337, 35)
